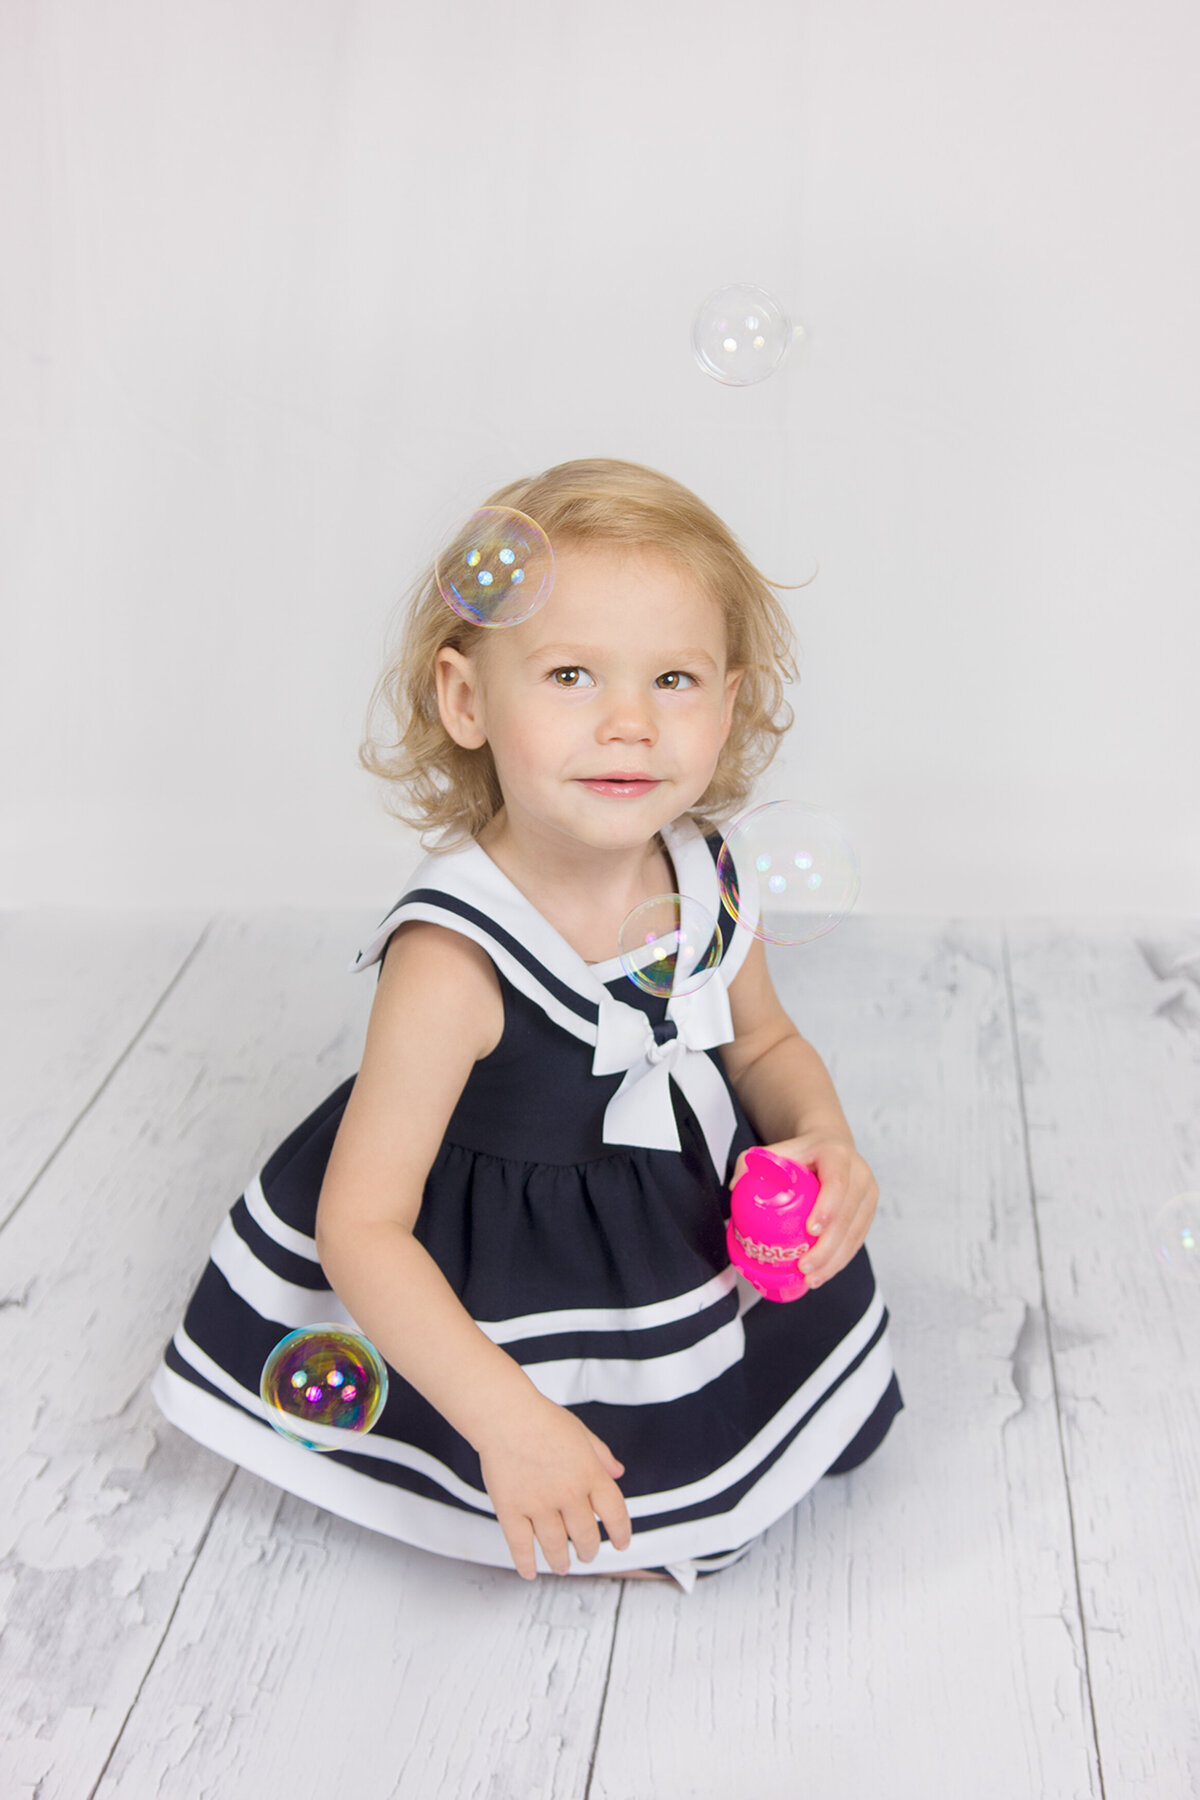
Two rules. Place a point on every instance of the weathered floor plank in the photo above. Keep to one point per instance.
(102, 1505)
(911, 1629)
(310, 1657)
(75, 990)
(1109, 1031)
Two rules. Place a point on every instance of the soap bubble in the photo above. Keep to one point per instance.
(326, 1376)
(497, 568)
(669, 945)
(788, 872)
(741, 335)
(1177, 1235)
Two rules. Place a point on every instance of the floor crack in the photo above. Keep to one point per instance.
(1058, 1412)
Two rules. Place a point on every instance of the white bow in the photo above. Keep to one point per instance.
(640, 1112)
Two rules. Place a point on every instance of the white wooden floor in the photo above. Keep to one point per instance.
(1005, 1602)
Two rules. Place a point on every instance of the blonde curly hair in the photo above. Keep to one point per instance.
(440, 787)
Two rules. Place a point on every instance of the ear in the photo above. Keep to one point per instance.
(733, 682)
(460, 697)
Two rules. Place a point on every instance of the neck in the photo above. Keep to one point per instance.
(583, 891)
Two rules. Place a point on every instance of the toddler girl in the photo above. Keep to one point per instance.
(521, 1197)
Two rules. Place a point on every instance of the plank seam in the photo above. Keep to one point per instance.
(1058, 1417)
(77, 1121)
(149, 1669)
(612, 1650)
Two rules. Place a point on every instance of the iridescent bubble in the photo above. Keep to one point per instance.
(497, 568)
(669, 945)
(326, 1376)
(788, 872)
(1177, 1235)
(741, 335)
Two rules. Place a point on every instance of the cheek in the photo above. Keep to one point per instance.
(719, 716)
(526, 734)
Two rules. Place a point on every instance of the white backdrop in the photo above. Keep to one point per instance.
(288, 285)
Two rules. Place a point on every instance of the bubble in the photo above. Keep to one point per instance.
(741, 335)
(788, 872)
(1177, 1235)
(323, 1375)
(497, 568)
(669, 945)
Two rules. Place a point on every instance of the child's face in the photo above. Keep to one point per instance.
(606, 712)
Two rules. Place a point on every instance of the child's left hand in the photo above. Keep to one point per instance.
(844, 1208)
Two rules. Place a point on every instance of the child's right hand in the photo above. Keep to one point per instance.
(550, 1478)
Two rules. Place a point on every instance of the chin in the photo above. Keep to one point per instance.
(617, 834)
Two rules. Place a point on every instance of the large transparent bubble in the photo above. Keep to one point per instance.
(1177, 1235)
(496, 569)
(741, 335)
(324, 1376)
(669, 945)
(788, 872)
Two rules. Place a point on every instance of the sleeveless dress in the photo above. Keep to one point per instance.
(577, 1206)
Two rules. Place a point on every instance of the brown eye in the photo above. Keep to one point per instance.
(674, 680)
(567, 677)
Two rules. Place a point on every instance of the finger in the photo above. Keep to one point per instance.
(582, 1530)
(841, 1242)
(831, 1249)
(835, 1183)
(612, 1465)
(822, 1269)
(552, 1536)
(608, 1503)
(828, 1253)
(518, 1535)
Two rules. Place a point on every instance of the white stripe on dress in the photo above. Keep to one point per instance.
(473, 1537)
(500, 1331)
(707, 1488)
(572, 1381)
(611, 1318)
(270, 1295)
(640, 1381)
(382, 1449)
(777, 1428)
(285, 1235)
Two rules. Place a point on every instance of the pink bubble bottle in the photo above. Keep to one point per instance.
(767, 1232)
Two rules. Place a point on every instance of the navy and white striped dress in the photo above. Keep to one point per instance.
(577, 1206)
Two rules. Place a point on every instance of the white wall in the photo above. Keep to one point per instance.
(288, 285)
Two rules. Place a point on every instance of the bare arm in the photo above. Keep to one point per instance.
(786, 1089)
(437, 1010)
(407, 1087)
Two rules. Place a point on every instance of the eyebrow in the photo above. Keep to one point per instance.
(570, 654)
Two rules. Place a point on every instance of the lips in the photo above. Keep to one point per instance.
(620, 784)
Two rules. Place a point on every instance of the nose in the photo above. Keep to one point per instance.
(628, 718)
